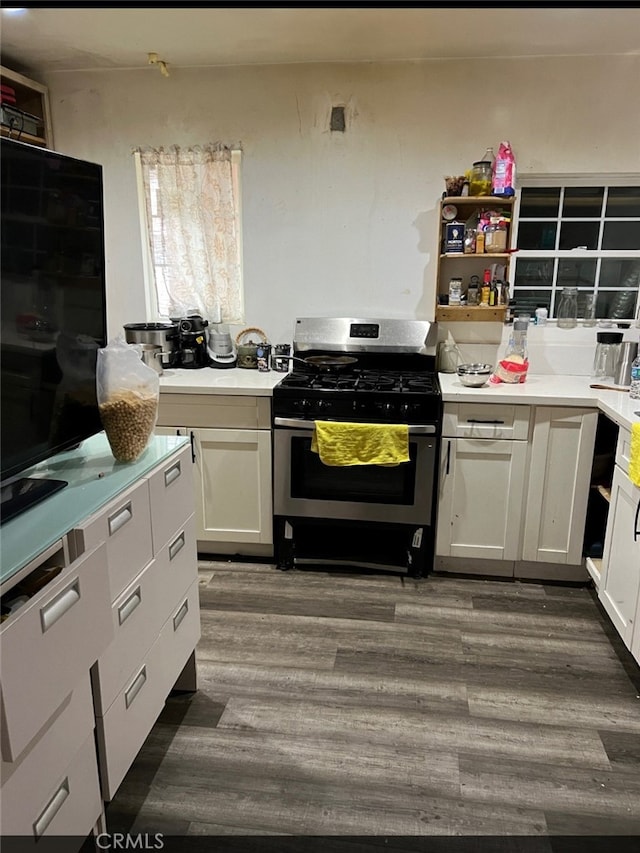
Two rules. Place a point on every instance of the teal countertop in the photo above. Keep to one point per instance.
(94, 478)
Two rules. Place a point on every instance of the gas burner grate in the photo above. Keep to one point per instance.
(363, 381)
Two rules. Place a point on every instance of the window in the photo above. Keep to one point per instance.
(582, 236)
(190, 218)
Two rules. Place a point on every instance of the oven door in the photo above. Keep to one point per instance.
(307, 488)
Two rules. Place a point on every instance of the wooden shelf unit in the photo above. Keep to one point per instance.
(466, 313)
(464, 265)
(32, 98)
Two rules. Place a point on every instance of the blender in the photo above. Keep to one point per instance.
(221, 349)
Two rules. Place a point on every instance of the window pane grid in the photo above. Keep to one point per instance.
(580, 265)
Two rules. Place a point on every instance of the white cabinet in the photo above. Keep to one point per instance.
(620, 578)
(481, 488)
(514, 484)
(231, 450)
(107, 623)
(559, 474)
(51, 628)
(152, 569)
(234, 469)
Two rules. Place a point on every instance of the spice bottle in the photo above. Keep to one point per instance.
(455, 291)
(486, 288)
(473, 290)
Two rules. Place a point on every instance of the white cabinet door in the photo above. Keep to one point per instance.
(620, 581)
(233, 473)
(559, 473)
(480, 501)
(171, 430)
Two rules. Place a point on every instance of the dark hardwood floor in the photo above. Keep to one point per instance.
(360, 704)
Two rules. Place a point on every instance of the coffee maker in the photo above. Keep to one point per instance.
(192, 341)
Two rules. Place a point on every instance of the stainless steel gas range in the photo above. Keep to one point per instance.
(365, 516)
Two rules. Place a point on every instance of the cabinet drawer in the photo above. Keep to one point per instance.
(137, 616)
(49, 645)
(215, 410)
(125, 526)
(172, 498)
(123, 729)
(70, 806)
(30, 783)
(623, 449)
(486, 420)
(177, 568)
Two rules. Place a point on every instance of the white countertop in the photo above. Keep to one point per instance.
(537, 390)
(546, 390)
(230, 380)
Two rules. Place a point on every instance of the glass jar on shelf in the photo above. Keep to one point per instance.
(495, 237)
(567, 312)
(481, 176)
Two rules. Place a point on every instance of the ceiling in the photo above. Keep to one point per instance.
(73, 39)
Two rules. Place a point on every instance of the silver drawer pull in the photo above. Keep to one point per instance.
(126, 609)
(51, 809)
(55, 609)
(135, 688)
(120, 518)
(172, 474)
(177, 619)
(176, 546)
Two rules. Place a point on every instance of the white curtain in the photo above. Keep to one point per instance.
(193, 228)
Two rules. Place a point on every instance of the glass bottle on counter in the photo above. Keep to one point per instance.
(518, 339)
(567, 313)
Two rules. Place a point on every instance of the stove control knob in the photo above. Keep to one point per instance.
(405, 408)
(387, 408)
(321, 404)
(302, 405)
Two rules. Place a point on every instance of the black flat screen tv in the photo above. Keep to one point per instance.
(53, 312)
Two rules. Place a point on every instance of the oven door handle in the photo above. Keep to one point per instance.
(297, 423)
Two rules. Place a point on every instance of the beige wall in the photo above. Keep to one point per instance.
(341, 223)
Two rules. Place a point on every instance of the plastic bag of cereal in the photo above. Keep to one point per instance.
(128, 394)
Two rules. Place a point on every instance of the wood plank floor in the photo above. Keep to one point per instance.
(366, 705)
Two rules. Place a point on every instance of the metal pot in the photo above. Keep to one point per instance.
(152, 356)
(163, 335)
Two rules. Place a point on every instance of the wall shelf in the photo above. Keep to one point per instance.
(32, 98)
(466, 313)
(463, 265)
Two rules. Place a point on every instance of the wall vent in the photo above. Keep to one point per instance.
(337, 119)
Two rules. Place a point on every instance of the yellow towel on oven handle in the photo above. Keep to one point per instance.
(634, 454)
(340, 443)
